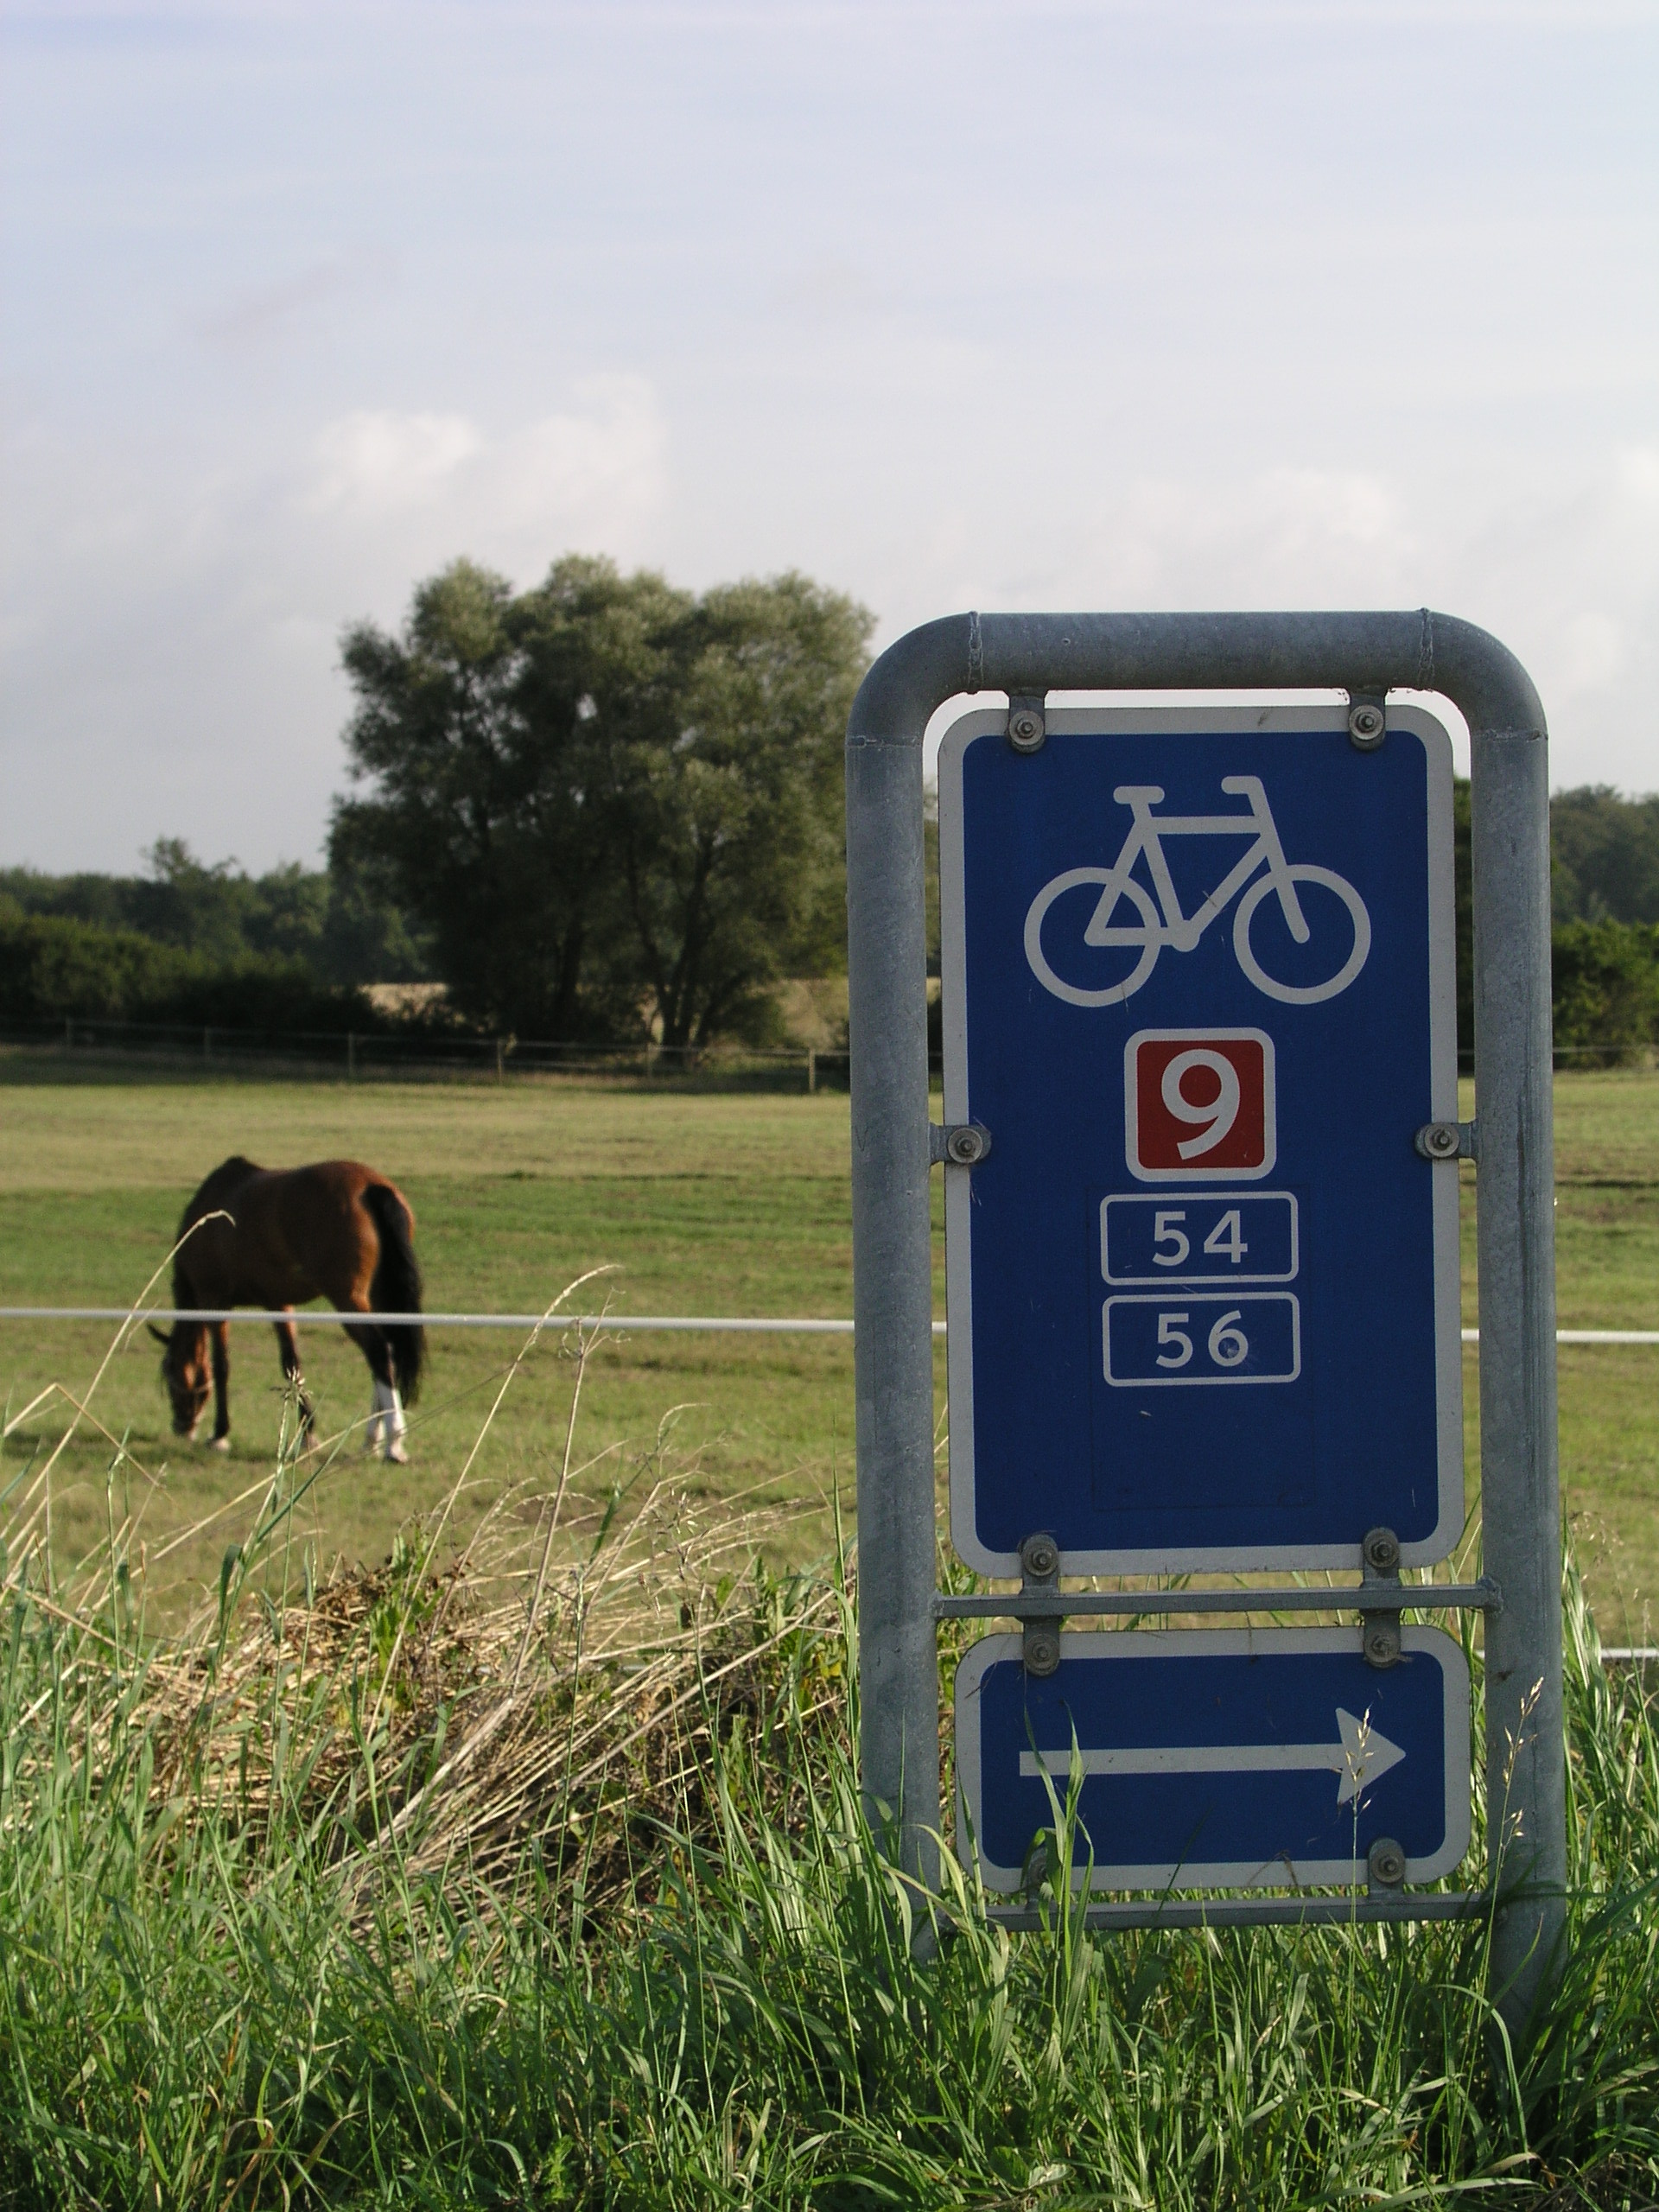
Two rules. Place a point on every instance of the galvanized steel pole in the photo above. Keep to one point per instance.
(893, 1293)
(1367, 653)
(1526, 1776)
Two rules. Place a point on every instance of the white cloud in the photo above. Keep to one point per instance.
(377, 460)
(302, 310)
(205, 695)
(587, 475)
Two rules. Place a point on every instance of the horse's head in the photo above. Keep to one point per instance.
(186, 1372)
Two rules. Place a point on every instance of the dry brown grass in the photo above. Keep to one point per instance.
(561, 1687)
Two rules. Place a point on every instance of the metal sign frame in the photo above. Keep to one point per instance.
(1366, 656)
(979, 724)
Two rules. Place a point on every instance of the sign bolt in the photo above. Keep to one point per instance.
(1040, 1558)
(966, 1144)
(1381, 1551)
(1041, 1650)
(1439, 1140)
(1385, 1863)
(1368, 725)
(1381, 1641)
(1027, 726)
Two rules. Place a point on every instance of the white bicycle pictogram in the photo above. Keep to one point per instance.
(1181, 932)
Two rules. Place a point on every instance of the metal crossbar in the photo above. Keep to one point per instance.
(1263, 1912)
(1483, 1597)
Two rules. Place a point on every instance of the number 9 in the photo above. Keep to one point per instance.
(1216, 1118)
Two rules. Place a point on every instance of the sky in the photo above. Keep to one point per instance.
(1199, 303)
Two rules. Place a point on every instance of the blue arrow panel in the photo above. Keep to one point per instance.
(1218, 1758)
(1203, 1292)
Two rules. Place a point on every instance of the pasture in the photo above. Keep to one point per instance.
(541, 1878)
(696, 1204)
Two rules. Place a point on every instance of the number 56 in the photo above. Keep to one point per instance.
(1228, 1346)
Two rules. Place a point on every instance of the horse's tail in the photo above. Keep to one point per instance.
(396, 1285)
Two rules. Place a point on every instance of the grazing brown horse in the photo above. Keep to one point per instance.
(337, 1230)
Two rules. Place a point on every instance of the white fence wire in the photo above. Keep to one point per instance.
(715, 1323)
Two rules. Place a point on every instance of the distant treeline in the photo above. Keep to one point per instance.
(294, 949)
(1604, 883)
(186, 943)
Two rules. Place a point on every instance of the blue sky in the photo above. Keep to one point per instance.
(1013, 305)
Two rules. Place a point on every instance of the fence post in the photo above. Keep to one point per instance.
(68, 1033)
(351, 1055)
(812, 1072)
(500, 1059)
(206, 1044)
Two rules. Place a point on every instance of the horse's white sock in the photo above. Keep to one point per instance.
(385, 1402)
(395, 1425)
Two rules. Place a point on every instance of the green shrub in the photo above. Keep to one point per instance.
(52, 967)
(1606, 985)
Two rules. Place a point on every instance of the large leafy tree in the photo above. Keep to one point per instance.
(608, 802)
(480, 772)
(727, 802)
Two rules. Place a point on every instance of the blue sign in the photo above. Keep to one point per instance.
(1218, 1758)
(1199, 985)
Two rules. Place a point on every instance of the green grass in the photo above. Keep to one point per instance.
(1607, 1276)
(701, 1203)
(420, 1892)
(536, 1876)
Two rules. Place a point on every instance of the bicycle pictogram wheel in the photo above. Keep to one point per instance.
(1150, 938)
(1308, 993)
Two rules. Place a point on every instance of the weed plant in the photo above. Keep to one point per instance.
(538, 1877)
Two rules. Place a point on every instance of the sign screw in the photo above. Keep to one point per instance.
(1381, 1551)
(1385, 1863)
(1041, 1650)
(1040, 1558)
(1027, 726)
(965, 1145)
(1368, 725)
(1439, 1139)
(1381, 1641)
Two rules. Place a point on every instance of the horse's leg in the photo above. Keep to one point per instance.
(385, 1428)
(287, 1346)
(374, 1430)
(221, 1337)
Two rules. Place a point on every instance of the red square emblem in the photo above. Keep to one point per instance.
(1198, 1105)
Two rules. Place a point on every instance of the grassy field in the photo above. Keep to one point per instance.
(699, 1204)
(542, 1879)
(530, 1888)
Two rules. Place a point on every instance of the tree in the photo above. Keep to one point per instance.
(344, 927)
(481, 764)
(1606, 985)
(726, 800)
(1605, 851)
(606, 800)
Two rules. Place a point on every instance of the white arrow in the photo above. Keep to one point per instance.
(1363, 1754)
